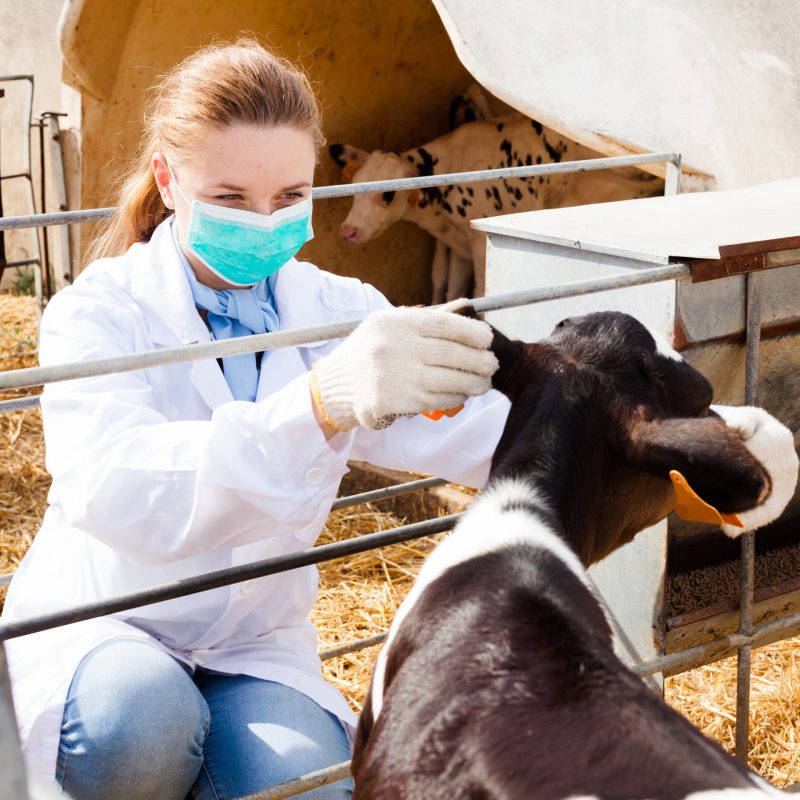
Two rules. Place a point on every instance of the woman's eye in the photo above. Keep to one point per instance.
(229, 198)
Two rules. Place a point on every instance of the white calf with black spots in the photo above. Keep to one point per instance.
(445, 212)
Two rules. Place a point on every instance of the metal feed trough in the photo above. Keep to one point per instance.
(620, 277)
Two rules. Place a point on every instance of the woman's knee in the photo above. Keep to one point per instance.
(134, 724)
(263, 733)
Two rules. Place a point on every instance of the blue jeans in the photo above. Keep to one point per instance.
(137, 725)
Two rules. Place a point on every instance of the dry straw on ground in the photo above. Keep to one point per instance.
(359, 596)
(23, 479)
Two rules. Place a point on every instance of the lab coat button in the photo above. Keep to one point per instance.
(247, 587)
(315, 476)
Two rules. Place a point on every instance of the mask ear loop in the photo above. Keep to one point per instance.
(174, 182)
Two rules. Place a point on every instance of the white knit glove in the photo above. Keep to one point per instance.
(772, 443)
(402, 362)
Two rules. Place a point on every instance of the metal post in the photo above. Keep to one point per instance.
(60, 191)
(14, 785)
(27, 175)
(753, 342)
(672, 176)
(45, 266)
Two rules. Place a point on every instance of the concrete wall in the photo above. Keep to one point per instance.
(28, 45)
(385, 73)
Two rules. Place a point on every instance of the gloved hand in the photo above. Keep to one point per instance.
(402, 362)
(772, 443)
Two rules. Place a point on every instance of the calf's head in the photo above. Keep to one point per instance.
(602, 412)
(371, 214)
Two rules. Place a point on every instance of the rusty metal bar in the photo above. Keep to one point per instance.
(22, 262)
(353, 647)
(719, 648)
(47, 288)
(390, 491)
(746, 583)
(305, 783)
(50, 118)
(670, 664)
(226, 577)
(341, 502)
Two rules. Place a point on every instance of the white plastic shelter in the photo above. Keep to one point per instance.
(723, 237)
(716, 81)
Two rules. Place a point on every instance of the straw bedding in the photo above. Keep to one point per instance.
(23, 479)
(359, 595)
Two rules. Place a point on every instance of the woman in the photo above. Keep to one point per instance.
(167, 473)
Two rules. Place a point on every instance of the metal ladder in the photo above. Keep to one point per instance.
(45, 281)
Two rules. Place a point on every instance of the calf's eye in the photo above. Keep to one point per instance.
(387, 197)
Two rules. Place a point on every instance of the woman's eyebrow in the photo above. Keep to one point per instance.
(226, 187)
(242, 189)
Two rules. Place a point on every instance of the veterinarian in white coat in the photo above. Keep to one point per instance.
(170, 472)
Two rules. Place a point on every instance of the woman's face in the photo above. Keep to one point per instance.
(251, 167)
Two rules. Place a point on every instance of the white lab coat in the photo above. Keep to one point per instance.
(159, 475)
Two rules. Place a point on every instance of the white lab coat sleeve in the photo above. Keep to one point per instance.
(160, 490)
(458, 448)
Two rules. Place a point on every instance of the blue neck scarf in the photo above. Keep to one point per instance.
(236, 312)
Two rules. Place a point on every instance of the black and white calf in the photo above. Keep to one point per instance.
(498, 679)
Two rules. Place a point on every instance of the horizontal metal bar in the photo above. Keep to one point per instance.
(54, 218)
(672, 664)
(382, 494)
(305, 783)
(397, 184)
(36, 376)
(542, 294)
(226, 577)
(19, 404)
(477, 176)
(719, 648)
(23, 262)
(342, 502)
(15, 175)
(353, 647)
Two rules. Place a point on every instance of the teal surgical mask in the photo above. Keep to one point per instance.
(243, 247)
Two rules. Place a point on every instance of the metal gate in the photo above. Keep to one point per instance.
(13, 778)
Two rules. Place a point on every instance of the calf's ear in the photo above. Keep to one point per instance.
(349, 158)
(738, 460)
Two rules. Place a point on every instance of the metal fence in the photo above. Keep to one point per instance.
(748, 635)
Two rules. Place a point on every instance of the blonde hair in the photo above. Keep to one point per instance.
(221, 84)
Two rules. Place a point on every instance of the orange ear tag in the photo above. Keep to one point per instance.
(439, 413)
(691, 507)
(350, 169)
